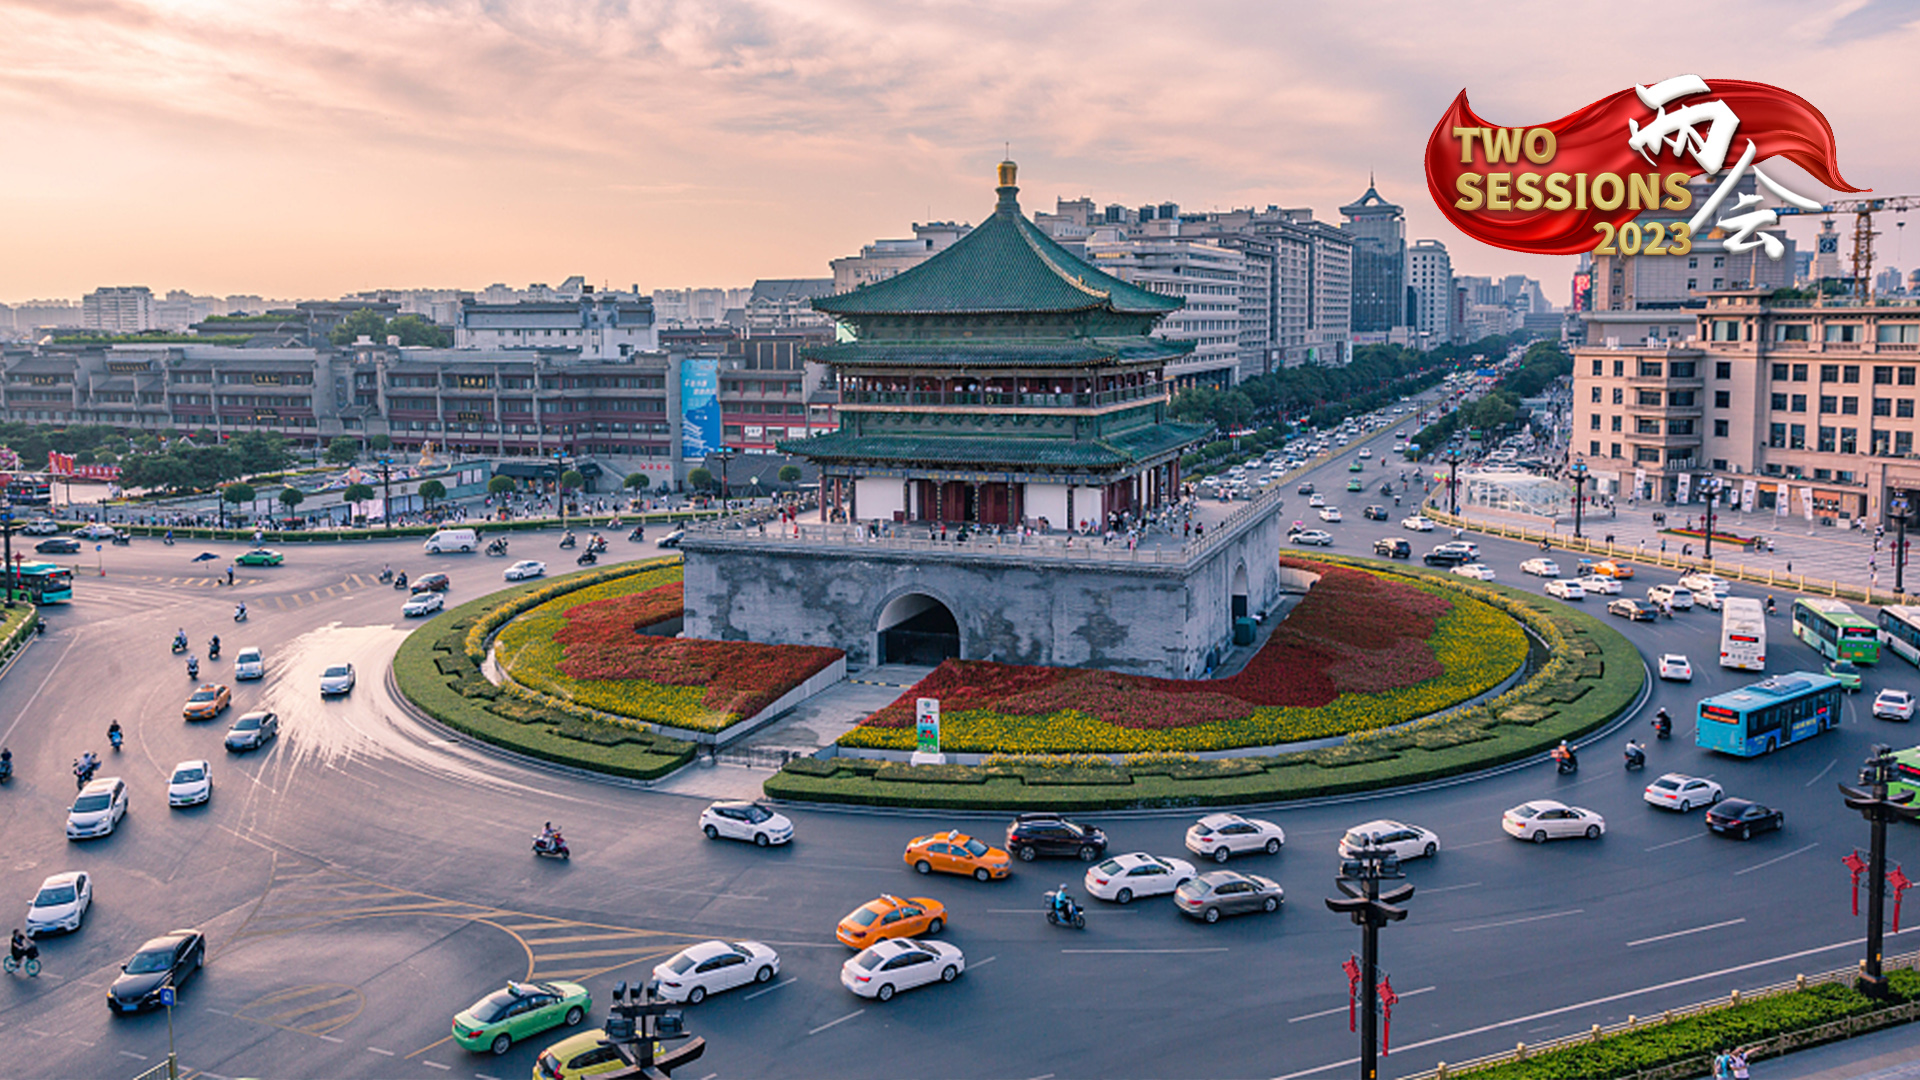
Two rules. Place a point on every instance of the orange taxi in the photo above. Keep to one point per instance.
(891, 917)
(957, 853)
(1619, 571)
(207, 702)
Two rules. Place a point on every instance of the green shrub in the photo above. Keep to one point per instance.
(808, 766)
(894, 772)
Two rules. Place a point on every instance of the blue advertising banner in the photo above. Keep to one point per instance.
(699, 407)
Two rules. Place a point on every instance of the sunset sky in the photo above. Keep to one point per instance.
(307, 149)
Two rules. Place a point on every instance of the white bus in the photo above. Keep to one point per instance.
(1900, 631)
(1743, 634)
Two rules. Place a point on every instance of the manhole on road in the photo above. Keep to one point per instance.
(312, 1010)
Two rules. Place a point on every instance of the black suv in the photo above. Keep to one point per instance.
(1374, 513)
(1306, 489)
(1393, 548)
(1033, 835)
(1443, 556)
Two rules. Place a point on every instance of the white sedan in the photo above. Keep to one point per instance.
(1317, 500)
(1474, 570)
(1600, 585)
(885, 967)
(1218, 836)
(337, 679)
(61, 903)
(1893, 705)
(1544, 819)
(1677, 791)
(1706, 583)
(1316, 537)
(524, 569)
(191, 784)
(1541, 567)
(1405, 841)
(1330, 513)
(713, 966)
(740, 820)
(1137, 873)
(1566, 589)
(1676, 667)
(1417, 523)
(425, 603)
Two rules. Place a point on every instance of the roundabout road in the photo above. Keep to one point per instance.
(363, 879)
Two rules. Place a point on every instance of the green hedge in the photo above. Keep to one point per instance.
(1593, 674)
(433, 671)
(1701, 1036)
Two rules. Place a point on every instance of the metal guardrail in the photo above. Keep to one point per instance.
(1778, 1044)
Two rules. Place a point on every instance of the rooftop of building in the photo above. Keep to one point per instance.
(1005, 265)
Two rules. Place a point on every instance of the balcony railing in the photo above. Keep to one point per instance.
(998, 397)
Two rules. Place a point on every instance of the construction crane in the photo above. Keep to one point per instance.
(1863, 233)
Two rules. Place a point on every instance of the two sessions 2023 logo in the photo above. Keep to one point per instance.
(1578, 184)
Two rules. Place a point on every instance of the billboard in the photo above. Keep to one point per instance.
(699, 407)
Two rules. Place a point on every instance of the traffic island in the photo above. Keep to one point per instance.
(1590, 675)
(434, 672)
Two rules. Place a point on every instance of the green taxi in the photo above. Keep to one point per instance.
(519, 1010)
(1353, 485)
(261, 557)
(1847, 672)
(1357, 466)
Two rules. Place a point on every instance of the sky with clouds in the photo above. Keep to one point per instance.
(313, 147)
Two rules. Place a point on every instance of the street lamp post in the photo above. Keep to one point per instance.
(386, 492)
(1578, 471)
(639, 1022)
(1453, 482)
(1901, 508)
(6, 531)
(1878, 807)
(724, 454)
(1711, 485)
(1370, 910)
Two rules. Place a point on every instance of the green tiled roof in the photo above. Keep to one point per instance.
(1122, 450)
(1026, 352)
(1006, 265)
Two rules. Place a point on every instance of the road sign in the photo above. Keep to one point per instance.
(927, 725)
(166, 996)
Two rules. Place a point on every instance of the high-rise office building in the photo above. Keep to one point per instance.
(123, 309)
(1430, 281)
(1379, 284)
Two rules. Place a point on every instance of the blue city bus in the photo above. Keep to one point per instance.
(1767, 715)
(43, 583)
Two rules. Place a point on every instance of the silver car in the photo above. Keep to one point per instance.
(1228, 892)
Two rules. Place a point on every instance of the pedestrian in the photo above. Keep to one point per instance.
(1663, 545)
(229, 573)
(1789, 566)
(1723, 1065)
(1739, 1064)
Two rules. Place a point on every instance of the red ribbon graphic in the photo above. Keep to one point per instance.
(1594, 141)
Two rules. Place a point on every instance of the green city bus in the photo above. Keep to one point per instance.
(1906, 772)
(1832, 628)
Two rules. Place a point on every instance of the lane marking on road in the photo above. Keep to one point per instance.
(1450, 888)
(1609, 999)
(377, 1050)
(1777, 858)
(37, 1031)
(987, 961)
(429, 1046)
(1476, 843)
(1682, 840)
(437, 1065)
(131, 1054)
(217, 1012)
(1142, 952)
(333, 1038)
(1821, 773)
(1684, 933)
(836, 1023)
(771, 989)
(1343, 1008)
(1516, 922)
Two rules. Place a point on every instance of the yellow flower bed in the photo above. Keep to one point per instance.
(1476, 643)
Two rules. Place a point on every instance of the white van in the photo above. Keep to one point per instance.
(451, 540)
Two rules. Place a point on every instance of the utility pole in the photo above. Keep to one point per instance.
(1453, 482)
(6, 531)
(386, 492)
(1370, 909)
(638, 1021)
(1578, 471)
(1711, 485)
(1901, 508)
(1878, 807)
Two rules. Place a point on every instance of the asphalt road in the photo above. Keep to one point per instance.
(362, 879)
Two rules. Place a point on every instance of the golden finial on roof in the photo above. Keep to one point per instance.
(1007, 170)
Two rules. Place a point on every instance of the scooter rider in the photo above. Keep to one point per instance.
(1636, 754)
(1062, 903)
(240, 612)
(1662, 724)
(193, 667)
(6, 762)
(23, 946)
(213, 647)
(113, 734)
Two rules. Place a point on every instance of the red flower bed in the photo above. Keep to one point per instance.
(1353, 632)
(603, 642)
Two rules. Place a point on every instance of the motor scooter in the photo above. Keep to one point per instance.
(1062, 911)
(1636, 757)
(552, 847)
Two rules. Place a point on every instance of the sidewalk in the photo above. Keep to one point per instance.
(1802, 554)
(1889, 1054)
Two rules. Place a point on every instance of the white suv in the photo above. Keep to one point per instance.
(1893, 705)
(1673, 596)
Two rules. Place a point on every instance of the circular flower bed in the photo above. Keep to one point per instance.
(590, 648)
(1362, 650)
